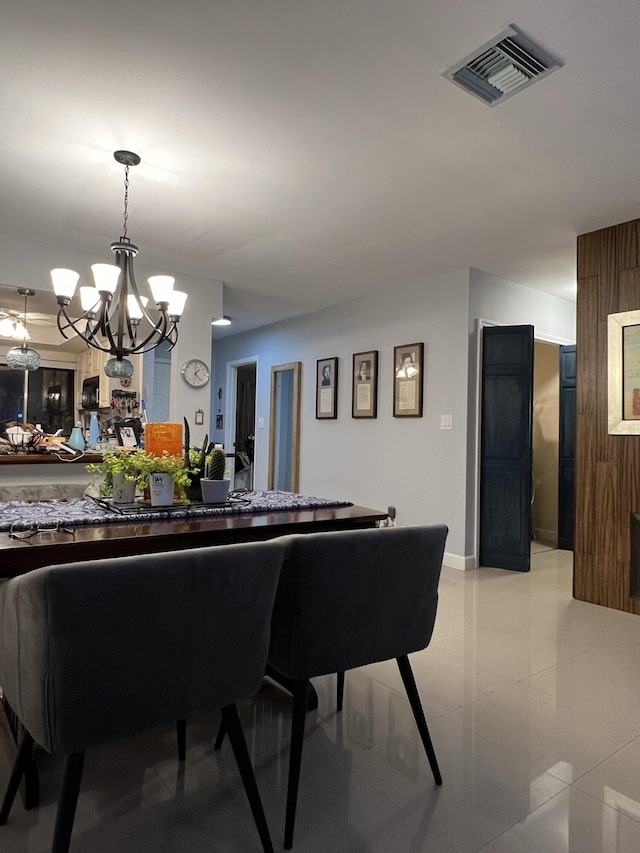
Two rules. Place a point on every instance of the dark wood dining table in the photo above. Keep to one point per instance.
(128, 538)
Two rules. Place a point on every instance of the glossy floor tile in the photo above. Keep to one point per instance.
(533, 702)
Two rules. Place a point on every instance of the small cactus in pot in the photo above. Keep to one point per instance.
(217, 463)
(215, 488)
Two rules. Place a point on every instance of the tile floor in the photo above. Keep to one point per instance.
(533, 702)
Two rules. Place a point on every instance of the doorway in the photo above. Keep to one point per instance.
(546, 414)
(241, 417)
(525, 482)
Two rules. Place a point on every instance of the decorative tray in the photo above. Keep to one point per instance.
(140, 507)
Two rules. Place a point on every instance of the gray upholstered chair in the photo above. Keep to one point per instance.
(347, 599)
(99, 650)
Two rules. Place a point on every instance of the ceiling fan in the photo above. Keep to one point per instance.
(14, 323)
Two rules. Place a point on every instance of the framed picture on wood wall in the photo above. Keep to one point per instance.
(408, 368)
(364, 394)
(623, 373)
(327, 388)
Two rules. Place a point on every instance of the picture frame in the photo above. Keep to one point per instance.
(364, 393)
(623, 373)
(408, 370)
(327, 388)
(128, 432)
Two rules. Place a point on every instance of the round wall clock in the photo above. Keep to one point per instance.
(195, 373)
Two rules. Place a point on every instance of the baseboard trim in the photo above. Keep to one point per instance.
(457, 561)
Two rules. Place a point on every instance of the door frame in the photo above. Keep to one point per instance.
(231, 384)
(479, 324)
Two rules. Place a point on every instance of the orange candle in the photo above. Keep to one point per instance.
(163, 436)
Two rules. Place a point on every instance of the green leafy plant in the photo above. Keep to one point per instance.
(136, 466)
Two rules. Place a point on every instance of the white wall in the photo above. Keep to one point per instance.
(507, 303)
(408, 463)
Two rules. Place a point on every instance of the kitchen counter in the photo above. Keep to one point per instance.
(44, 476)
(47, 458)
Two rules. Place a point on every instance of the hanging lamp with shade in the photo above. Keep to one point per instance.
(115, 318)
(23, 357)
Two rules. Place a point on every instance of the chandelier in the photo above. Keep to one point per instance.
(23, 357)
(115, 318)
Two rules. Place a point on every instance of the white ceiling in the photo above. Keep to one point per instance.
(308, 152)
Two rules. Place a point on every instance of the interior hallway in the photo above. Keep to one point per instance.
(533, 701)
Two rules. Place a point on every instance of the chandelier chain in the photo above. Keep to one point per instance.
(126, 201)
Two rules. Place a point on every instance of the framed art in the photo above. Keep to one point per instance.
(364, 395)
(623, 373)
(327, 388)
(408, 368)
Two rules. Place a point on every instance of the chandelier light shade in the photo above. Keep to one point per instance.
(115, 318)
(23, 357)
(221, 321)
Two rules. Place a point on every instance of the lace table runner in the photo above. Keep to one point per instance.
(23, 515)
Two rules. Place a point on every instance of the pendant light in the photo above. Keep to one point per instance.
(23, 357)
(115, 318)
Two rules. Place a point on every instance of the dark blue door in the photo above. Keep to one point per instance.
(505, 458)
(567, 447)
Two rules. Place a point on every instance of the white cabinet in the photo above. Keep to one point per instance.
(91, 362)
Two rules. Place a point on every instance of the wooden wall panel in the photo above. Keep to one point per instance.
(608, 275)
(607, 466)
(585, 524)
(589, 250)
(587, 343)
(627, 249)
(628, 289)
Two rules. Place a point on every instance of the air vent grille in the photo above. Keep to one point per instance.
(502, 67)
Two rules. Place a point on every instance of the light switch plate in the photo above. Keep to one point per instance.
(446, 421)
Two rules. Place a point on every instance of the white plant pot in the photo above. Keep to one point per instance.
(161, 489)
(214, 491)
(124, 491)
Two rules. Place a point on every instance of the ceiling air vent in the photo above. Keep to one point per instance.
(507, 64)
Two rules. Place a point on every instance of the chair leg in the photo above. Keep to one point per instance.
(222, 730)
(414, 699)
(22, 759)
(181, 732)
(300, 697)
(69, 789)
(231, 721)
(340, 694)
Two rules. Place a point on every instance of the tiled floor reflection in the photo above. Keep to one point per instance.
(533, 701)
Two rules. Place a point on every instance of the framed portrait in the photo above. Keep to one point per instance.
(128, 432)
(364, 395)
(408, 367)
(623, 373)
(327, 388)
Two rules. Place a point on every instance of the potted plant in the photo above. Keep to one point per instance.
(165, 475)
(195, 462)
(120, 475)
(141, 469)
(215, 488)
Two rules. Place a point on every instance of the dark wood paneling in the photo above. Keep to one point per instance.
(587, 343)
(627, 242)
(607, 473)
(608, 272)
(628, 289)
(589, 251)
(585, 477)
